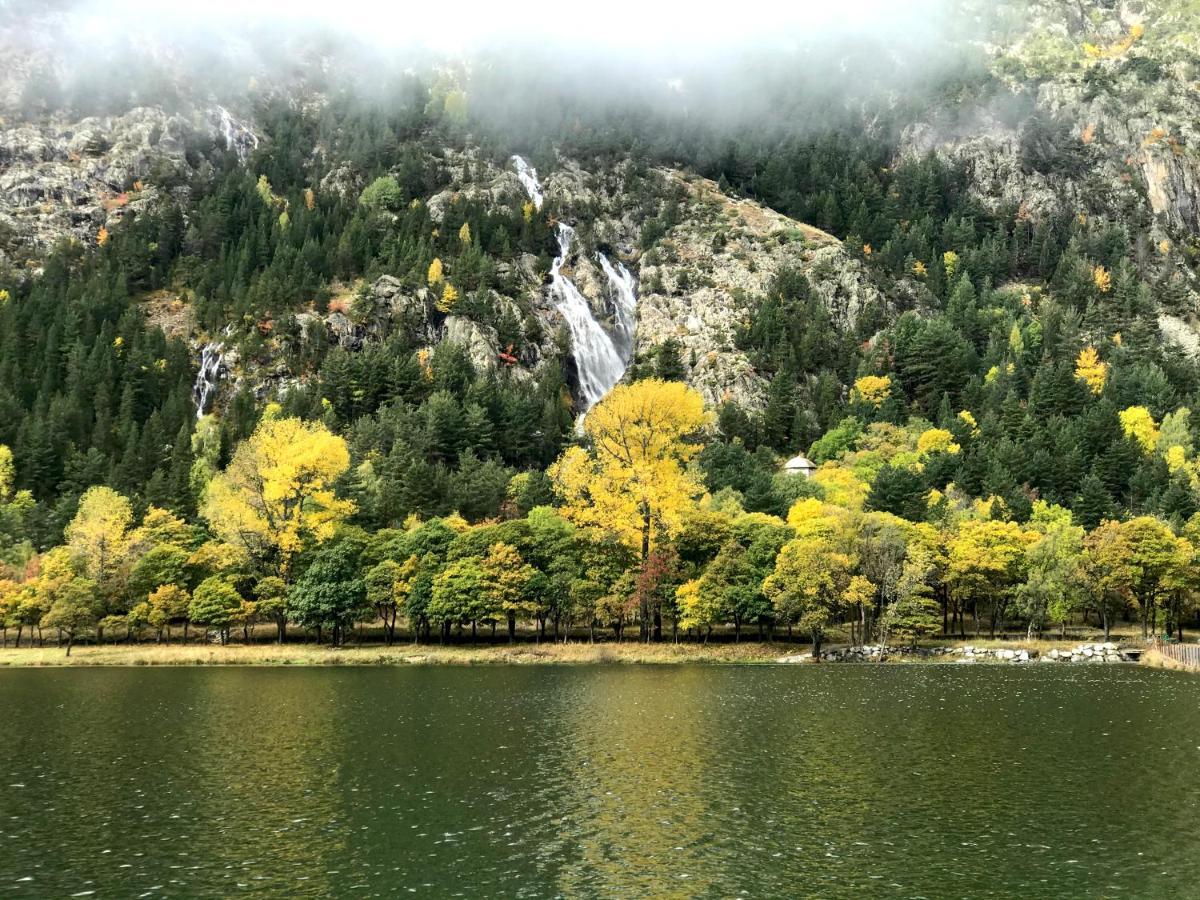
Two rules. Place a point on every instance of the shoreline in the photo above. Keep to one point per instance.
(603, 653)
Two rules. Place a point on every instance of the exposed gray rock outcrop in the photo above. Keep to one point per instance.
(67, 179)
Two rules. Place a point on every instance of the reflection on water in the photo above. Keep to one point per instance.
(583, 782)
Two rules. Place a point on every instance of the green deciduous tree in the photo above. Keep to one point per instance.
(215, 604)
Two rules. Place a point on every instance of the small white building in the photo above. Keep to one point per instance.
(799, 465)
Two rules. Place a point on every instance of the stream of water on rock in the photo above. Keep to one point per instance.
(601, 354)
(208, 378)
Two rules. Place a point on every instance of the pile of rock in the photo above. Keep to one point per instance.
(877, 652)
(1090, 653)
(993, 654)
(1083, 653)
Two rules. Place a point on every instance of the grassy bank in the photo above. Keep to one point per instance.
(401, 654)
(1157, 659)
(523, 653)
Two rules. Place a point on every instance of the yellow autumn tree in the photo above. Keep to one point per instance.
(841, 487)
(527, 209)
(1091, 369)
(8, 473)
(464, 233)
(102, 236)
(950, 264)
(633, 481)
(98, 537)
(936, 440)
(813, 577)
(435, 272)
(277, 495)
(969, 421)
(448, 299)
(266, 193)
(1137, 423)
(873, 389)
(1102, 278)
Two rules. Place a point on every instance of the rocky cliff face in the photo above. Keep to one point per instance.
(700, 281)
(62, 178)
(1092, 112)
(1095, 114)
(696, 283)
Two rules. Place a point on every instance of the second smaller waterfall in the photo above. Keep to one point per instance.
(212, 367)
(624, 301)
(527, 175)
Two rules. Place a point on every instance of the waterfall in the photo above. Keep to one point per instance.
(599, 363)
(238, 138)
(527, 175)
(624, 294)
(212, 367)
(601, 357)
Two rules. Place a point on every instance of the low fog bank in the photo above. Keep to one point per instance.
(537, 67)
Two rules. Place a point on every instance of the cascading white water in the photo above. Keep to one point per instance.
(624, 294)
(238, 138)
(599, 364)
(212, 366)
(601, 357)
(527, 175)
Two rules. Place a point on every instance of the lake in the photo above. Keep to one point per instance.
(690, 781)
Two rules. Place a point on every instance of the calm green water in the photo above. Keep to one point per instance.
(828, 781)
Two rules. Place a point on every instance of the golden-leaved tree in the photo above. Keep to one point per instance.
(633, 481)
(277, 495)
(98, 540)
(1090, 369)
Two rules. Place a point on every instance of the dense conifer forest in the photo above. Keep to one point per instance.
(1004, 442)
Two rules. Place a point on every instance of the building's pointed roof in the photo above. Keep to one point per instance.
(799, 462)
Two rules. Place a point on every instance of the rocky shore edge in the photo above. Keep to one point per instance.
(1092, 653)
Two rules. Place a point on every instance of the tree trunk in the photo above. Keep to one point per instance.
(817, 640)
(645, 603)
(70, 641)
(512, 628)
